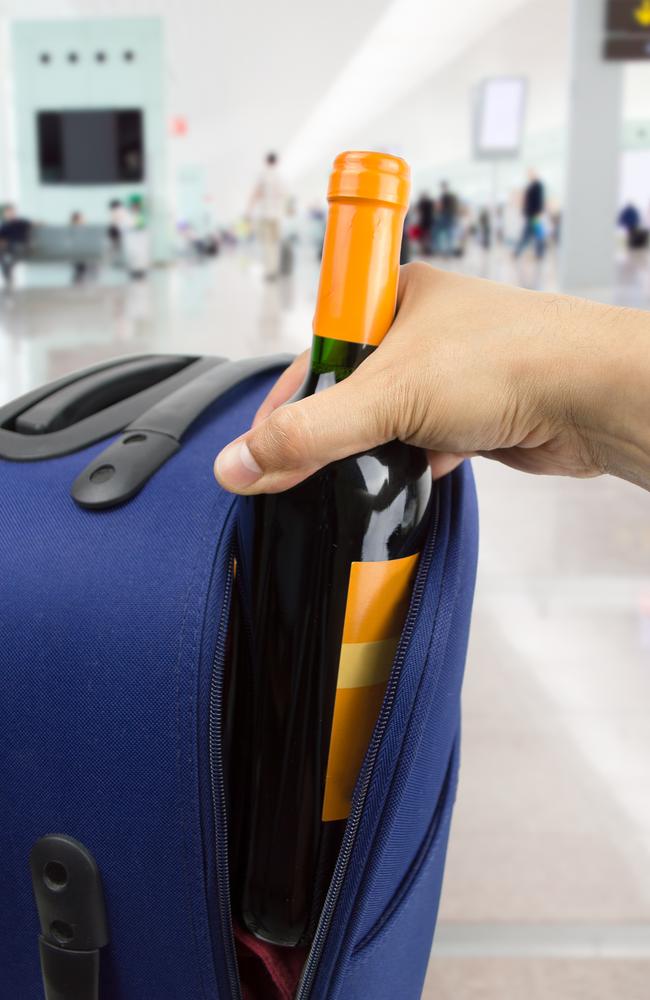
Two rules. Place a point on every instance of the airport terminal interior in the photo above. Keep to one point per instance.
(149, 237)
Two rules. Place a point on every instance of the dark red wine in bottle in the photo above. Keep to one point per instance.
(324, 576)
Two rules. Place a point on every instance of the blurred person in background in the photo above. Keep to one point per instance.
(425, 220)
(484, 228)
(79, 267)
(14, 237)
(289, 237)
(630, 220)
(118, 218)
(446, 221)
(533, 212)
(135, 239)
(269, 198)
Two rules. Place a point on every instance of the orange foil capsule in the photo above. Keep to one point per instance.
(368, 196)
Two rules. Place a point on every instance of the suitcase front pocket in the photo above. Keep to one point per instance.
(363, 785)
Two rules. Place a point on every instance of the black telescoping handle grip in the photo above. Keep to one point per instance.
(9, 411)
(122, 469)
(86, 406)
(86, 395)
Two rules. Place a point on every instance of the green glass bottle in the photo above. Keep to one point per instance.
(324, 577)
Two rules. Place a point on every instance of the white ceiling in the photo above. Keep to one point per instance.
(411, 42)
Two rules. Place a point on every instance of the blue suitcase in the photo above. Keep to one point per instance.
(115, 556)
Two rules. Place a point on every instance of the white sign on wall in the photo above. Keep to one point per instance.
(499, 117)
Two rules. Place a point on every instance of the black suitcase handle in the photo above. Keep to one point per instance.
(92, 404)
(86, 396)
(123, 468)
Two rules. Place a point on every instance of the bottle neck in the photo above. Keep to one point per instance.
(359, 272)
(331, 361)
(358, 283)
(337, 357)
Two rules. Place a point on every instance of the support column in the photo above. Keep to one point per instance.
(593, 154)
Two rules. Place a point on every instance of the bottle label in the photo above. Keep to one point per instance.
(376, 607)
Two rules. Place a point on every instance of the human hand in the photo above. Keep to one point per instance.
(469, 367)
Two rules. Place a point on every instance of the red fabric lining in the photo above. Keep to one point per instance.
(267, 971)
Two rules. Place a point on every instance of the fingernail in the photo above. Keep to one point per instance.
(235, 466)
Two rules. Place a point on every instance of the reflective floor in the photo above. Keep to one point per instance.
(547, 892)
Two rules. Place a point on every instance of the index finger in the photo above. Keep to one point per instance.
(289, 381)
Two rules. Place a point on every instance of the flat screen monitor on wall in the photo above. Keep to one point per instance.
(499, 117)
(91, 147)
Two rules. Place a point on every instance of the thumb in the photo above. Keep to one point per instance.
(299, 438)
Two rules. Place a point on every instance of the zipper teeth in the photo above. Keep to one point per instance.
(343, 859)
(217, 784)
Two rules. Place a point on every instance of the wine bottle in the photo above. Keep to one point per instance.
(324, 575)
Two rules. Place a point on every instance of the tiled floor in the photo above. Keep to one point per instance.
(547, 893)
(538, 979)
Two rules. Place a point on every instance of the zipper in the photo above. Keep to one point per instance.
(358, 802)
(217, 781)
(217, 784)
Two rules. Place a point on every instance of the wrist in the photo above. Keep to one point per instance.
(608, 385)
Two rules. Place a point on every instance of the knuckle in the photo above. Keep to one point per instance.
(281, 442)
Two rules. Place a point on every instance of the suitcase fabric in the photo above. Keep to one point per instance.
(113, 628)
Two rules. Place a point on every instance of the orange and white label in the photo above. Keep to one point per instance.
(377, 603)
